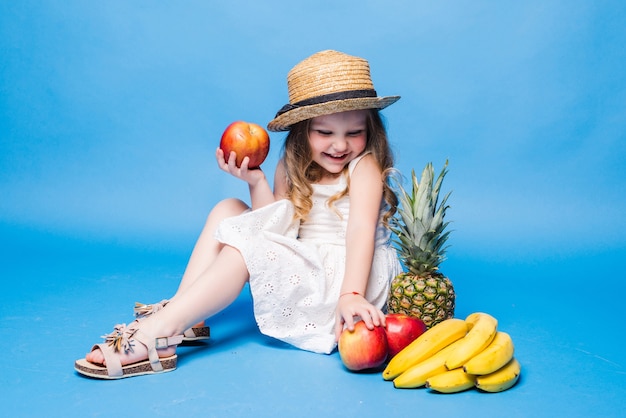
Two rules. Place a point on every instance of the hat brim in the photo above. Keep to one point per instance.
(284, 121)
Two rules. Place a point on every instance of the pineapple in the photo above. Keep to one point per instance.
(422, 290)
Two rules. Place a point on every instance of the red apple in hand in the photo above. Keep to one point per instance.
(363, 348)
(247, 140)
(401, 330)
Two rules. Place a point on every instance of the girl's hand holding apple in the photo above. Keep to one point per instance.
(243, 172)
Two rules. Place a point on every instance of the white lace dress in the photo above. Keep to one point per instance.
(296, 270)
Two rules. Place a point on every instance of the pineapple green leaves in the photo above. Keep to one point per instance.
(419, 222)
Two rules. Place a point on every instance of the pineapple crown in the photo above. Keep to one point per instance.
(419, 224)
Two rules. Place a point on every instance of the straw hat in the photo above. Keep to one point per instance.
(328, 82)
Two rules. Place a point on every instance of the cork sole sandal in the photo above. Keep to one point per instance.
(193, 334)
(196, 334)
(123, 338)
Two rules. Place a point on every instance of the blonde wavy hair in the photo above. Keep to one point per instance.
(302, 171)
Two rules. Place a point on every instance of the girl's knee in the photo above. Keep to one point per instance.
(228, 207)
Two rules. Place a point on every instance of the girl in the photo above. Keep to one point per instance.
(315, 251)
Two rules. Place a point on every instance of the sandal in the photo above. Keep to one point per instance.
(124, 338)
(192, 334)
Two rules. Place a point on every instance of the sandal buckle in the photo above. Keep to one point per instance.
(161, 342)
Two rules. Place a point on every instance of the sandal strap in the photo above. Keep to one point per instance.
(189, 333)
(113, 363)
(153, 344)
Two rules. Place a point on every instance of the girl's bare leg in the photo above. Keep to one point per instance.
(207, 248)
(215, 289)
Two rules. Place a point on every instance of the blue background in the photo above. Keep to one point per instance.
(110, 113)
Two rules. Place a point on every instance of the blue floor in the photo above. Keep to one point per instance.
(61, 294)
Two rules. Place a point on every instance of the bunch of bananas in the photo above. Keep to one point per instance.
(457, 355)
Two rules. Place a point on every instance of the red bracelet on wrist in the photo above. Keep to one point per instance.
(350, 293)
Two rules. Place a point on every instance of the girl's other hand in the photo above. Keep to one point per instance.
(351, 306)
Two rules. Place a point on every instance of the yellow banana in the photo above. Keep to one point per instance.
(434, 339)
(452, 381)
(501, 379)
(492, 358)
(482, 330)
(473, 318)
(416, 376)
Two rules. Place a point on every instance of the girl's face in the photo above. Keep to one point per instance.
(337, 139)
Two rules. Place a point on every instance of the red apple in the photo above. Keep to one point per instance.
(401, 330)
(247, 140)
(363, 348)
